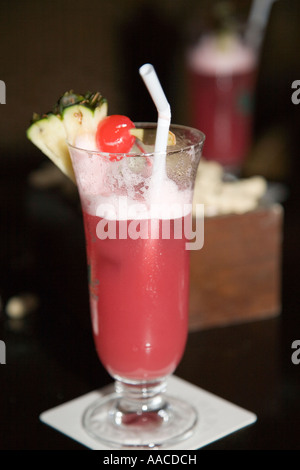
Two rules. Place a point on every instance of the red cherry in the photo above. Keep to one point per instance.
(113, 134)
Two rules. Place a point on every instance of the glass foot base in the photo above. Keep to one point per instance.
(110, 423)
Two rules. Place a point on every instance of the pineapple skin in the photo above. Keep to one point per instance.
(72, 115)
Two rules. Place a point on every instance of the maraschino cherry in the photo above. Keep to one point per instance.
(113, 135)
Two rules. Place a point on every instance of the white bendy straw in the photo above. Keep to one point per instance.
(158, 96)
(257, 22)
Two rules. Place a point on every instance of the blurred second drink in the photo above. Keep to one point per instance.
(222, 76)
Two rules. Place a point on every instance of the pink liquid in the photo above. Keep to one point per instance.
(139, 293)
(222, 109)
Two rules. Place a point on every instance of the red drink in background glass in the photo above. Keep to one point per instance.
(222, 76)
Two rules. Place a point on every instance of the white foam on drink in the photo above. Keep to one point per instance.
(212, 57)
(174, 205)
(121, 191)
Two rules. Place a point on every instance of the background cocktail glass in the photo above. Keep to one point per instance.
(222, 71)
(139, 284)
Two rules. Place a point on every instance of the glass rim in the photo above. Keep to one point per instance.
(150, 125)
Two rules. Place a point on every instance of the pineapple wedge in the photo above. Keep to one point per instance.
(72, 115)
(84, 117)
(49, 135)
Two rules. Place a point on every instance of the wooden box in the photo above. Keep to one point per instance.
(236, 276)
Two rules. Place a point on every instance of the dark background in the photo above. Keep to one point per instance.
(48, 47)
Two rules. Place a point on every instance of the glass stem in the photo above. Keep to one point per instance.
(141, 400)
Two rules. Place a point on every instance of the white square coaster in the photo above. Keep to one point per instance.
(217, 417)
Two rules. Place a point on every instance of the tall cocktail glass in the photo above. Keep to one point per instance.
(138, 263)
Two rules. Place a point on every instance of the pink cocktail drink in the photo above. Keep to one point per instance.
(139, 291)
(137, 230)
(135, 183)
